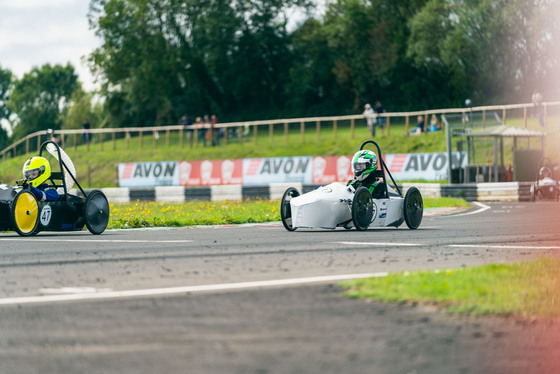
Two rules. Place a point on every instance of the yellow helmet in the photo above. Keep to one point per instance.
(36, 171)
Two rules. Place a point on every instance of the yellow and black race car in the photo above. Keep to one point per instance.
(22, 211)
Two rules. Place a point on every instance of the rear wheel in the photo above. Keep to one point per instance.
(96, 211)
(286, 209)
(413, 208)
(362, 209)
(25, 213)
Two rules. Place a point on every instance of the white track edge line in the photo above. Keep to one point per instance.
(179, 290)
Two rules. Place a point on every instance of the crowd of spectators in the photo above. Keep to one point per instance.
(208, 133)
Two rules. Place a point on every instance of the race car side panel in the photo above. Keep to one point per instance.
(61, 216)
(7, 194)
(388, 212)
(326, 207)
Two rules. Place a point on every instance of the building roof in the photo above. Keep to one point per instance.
(503, 131)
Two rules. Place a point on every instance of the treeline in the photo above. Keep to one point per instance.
(245, 60)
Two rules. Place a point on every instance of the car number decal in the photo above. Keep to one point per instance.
(46, 214)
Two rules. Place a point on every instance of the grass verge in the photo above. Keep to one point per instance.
(154, 214)
(523, 290)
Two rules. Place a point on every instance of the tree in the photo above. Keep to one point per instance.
(163, 59)
(39, 98)
(5, 87)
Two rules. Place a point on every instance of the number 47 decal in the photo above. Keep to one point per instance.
(46, 214)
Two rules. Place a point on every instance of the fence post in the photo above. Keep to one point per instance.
(114, 138)
(38, 145)
(167, 138)
(141, 138)
(483, 116)
(255, 133)
(126, 138)
(406, 124)
(504, 116)
(302, 130)
(545, 115)
(155, 135)
(286, 132)
(524, 116)
(352, 128)
(388, 126)
(240, 134)
(335, 126)
(75, 141)
(318, 126)
(270, 131)
(26, 145)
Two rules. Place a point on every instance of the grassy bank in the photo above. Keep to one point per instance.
(524, 290)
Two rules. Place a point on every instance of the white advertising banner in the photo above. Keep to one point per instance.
(262, 171)
(149, 174)
(426, 166)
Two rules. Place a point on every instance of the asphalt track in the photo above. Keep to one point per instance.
(260, 299)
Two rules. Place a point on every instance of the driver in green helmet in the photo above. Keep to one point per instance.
(364, 163)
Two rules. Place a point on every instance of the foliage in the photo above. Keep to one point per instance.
(5, 87)
(524, 290)
(40, 97)
(82, 107)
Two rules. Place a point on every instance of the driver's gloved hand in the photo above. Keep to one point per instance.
(37, 192)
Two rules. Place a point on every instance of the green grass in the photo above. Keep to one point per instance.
(154, 214)
(523, 290)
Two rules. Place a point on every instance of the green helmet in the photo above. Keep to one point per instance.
(363, 163)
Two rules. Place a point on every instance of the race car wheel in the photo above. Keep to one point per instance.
(96, 211)
(25, 213)
(413, 208)
(362, 209)
(286, 209)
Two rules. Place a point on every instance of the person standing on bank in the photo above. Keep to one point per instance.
(370, 119)
(381, 120)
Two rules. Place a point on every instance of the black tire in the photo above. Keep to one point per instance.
(286, 209)
(539, 196)
(362, 209)
(25, 213)
(96, 212)
(413, 208)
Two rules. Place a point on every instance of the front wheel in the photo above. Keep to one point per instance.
(362, 209)
(25, 213)
(413, 208)
(96, 211)
(286, 208)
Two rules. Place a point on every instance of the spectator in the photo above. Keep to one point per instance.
(187, 126)
(537, 99)
(218, 132)
(198, 124)
(209, 130)
(86, 135)
(419, 126)
(370, 118)
(381, 120)
(434, 124)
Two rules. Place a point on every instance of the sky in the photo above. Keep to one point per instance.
(37, 32)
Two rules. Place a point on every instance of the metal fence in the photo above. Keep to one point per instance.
(286, 130)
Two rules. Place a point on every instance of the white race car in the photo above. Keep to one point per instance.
(338, 204)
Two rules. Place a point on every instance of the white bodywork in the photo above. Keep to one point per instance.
(331, 206)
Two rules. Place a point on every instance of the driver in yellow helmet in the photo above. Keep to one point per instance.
(36, 171)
